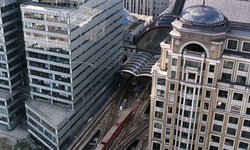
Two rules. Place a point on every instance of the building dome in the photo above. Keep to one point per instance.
(202, 15)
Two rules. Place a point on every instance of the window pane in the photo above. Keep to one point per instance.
(243, 67)
(174, 62)
(228, 64)
(161, 81)
(232, 44)
(233, 120)
(217, 128)
(246, 47)
(246, 123)
(245, 134)
(243, 145)
(226, 77)
(241, 80)
(223, 93)
(231, 131)
(219, 117)
(159, 104)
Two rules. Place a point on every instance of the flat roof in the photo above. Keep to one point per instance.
(46, 7)
(53, 112)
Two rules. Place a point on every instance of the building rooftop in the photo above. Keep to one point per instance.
(140, 64)
(202, 15)
(234, 10)
(56, 114)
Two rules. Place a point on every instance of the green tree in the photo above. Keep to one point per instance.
(22, 145)
(5, 143)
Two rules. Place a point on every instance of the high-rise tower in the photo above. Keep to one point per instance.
(200, 95)
(12, 64)
(73, 49)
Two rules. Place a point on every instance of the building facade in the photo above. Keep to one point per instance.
(200, 95)
(73, 49)
(146, 7)
(12, 65)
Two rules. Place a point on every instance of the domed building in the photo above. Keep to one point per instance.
(200, 86)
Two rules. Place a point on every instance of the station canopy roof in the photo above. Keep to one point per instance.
(140, 64)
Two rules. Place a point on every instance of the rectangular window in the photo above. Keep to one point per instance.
(203, 128)
(187, 113)
(232, 44)
(215, 139)
(228, 64)
(233, 120)
(173, 74)
(246, 46)
(211, 68)
(191, 76)
(171, 98)
(208, 94)
(223, 93)
(201, 139)
(206, 106)
(204, 117)
(185, 124)
(183, 145)
(190, 90)
(248, 111)
(159, 104)
(218, 117)
(158, 114)
(169, 121)
(157, 125)
(174, 62)
(170, 110)
(193, 64)
(238, 96)
(246, 123)
(161, 81)
(157, 135)
(166, 141)
(243, 67)
(217, 128)
(160, 93)
(226, 77)
(243, 145)
(229, 142)
(156, 146)
(171, 87)
(210, 81)
(221, 105)
(168, 131)
(245, 134)
(241, 80)
(231, 131)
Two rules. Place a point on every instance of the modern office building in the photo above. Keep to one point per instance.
(200, 96)
(146, 7)
(12, 65)
(73, 49)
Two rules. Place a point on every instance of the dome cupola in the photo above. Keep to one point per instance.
(202, 15)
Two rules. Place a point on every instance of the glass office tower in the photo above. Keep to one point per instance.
(73, 49)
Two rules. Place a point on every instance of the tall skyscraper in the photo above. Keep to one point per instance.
(73, 49)
(200, 95)
(146, 7)
(12, 64)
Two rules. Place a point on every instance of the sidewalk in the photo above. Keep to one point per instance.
(20, 132)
